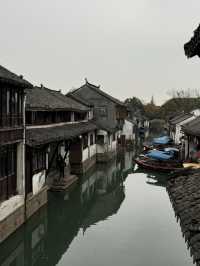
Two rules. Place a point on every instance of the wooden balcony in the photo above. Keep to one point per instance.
(11, 120)
(11, 135)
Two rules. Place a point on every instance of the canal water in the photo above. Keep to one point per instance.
(117, 215)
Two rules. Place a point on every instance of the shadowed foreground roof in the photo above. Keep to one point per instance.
(192, 127)
(11, 78)
(39, 136)
(41, 98)
(192, 47)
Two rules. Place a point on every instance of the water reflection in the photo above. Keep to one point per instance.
(135, 211)
(44, 239)
(28, 245)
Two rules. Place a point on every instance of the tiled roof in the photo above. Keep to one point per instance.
(41, 98)
(79, 99)
(192, 127)
(99, 91)
(105, 125)
(11, 78)
(39, 136)
(179, 118)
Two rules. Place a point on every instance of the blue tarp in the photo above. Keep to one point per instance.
(171, 149)
(159, 155)
(162, 140)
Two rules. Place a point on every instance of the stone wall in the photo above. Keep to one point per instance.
(10, 224)
(35, 202)
(105, 157)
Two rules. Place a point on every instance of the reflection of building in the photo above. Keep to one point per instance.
(159, 180)
(28, 245)
(106, 193)
(48, 234)
(125, 160)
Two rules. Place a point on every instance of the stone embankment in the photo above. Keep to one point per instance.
(184, 193)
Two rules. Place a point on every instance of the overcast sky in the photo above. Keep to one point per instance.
(131, 48)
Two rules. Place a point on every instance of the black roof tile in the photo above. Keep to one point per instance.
(39, 136)
(11, 78)
(99, 91)
(41, 98)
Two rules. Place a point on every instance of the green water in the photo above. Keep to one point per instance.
(115, 216)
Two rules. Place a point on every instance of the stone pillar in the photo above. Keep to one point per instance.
(88, 145)
(20, 169)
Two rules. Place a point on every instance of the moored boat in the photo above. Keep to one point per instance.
(160, 166)
(159, 143)
(161, 161)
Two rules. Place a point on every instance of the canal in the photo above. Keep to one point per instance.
(117, 215)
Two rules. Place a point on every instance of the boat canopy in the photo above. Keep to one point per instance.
(160, 155)
(162, 140)
(171, 149)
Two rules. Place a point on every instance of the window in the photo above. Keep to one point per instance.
(91, 139)
(8, 102)
(8, 179)
(100, 139)
(7, 161)
(11, 101)
(39, 160)
(85, 141)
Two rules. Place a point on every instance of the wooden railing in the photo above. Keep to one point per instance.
(10, 136)
(11, 120)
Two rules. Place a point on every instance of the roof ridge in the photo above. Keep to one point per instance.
(9, 76)
(48, 89)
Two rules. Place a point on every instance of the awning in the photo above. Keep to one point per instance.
(45, 135)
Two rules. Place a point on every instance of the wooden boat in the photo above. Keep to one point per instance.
(188, 169)
(159, 166)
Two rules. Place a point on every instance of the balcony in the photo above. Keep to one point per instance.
(10, 120)
(11, 135)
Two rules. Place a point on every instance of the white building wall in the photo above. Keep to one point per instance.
(85, 154)
(128, 130)
(195, 112)
(178, 133)
(38, 181)
(102, 148)
(91, 150)
(114, 145)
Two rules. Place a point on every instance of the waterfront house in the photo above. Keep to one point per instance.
(176, 123)
(60, 139)
(191, 136)
(12, 190)
(109, 115)
(128, 132)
